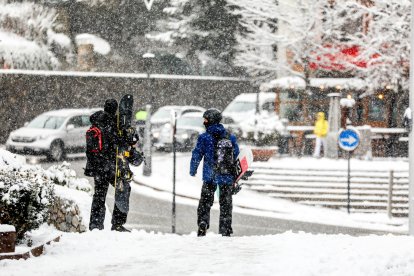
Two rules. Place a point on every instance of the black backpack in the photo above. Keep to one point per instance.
(224, 156)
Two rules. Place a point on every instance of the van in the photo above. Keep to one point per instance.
(243, 107)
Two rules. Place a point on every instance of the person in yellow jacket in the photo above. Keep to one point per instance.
(321, 131)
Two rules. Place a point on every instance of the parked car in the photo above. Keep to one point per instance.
(163, 116)
(244, 106)
(189, 126)
(52, 133)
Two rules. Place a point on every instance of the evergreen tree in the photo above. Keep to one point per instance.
(206, 30)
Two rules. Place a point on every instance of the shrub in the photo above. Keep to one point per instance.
(25, 197)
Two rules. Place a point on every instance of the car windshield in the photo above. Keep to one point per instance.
(163, 113)
(240, 107)
(190, 122)
(45, 121)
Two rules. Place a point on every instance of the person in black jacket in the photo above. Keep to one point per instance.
(102, 168)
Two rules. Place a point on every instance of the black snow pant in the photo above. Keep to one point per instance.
(226, 206)
(98, 205)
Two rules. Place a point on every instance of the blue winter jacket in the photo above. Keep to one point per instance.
(205, 148)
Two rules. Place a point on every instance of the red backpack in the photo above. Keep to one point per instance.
(93, 140)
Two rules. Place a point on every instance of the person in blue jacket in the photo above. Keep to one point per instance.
(206, 148)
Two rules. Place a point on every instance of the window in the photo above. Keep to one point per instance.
(376, 110)
(269, 107)
(85, 121)
(76, 121)
(45, 121)
(291, 106)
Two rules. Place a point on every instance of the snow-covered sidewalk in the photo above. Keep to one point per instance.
(140, 253)
(254, 203)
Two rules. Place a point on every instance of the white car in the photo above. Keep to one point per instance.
(52, 133)
(243, 107)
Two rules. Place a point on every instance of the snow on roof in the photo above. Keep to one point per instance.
(100, 45)
(284, 82)
(193, 115)
(251, 97)
(299, 83)
(59, 38)
(182, 107)
(68, 112)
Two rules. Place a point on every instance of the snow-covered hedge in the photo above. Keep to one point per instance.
(63, 175)
(28, 37)
(262, 129)
(27, 192)
(25, 197)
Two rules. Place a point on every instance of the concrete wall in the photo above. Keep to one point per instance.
(26, 94)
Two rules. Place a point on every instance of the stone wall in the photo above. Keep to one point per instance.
(26, 94)
(64, 214)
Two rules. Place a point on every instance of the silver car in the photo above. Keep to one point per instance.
(163, 116)
(52, 133)
(189, 127)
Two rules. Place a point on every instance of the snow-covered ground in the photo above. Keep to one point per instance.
(254, 203)
(140, 253)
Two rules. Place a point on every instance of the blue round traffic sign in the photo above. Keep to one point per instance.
(348, 139)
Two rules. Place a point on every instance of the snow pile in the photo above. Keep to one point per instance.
(7, 228)
(140, 253)
(9, 159)
(345, 102)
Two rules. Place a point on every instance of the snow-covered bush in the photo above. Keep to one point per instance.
(29, 37)
(63, 175)
(28, 193)
(25, 198)
(263, 129)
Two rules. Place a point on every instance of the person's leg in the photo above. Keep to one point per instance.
(98, 203)
(226, 209)
(324, 144)
(318, 143)
(204, 205)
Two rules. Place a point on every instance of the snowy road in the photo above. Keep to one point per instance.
(151, 213)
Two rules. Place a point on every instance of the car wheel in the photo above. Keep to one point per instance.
(57, 151)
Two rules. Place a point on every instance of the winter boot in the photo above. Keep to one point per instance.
(119, 228)
(202, 229)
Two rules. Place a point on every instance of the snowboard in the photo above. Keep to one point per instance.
(243, 162)
(123, 174)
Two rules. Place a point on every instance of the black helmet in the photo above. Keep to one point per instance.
(213, 116)
(111, 106)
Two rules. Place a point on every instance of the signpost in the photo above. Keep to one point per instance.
(174, 149)
(348, 140)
